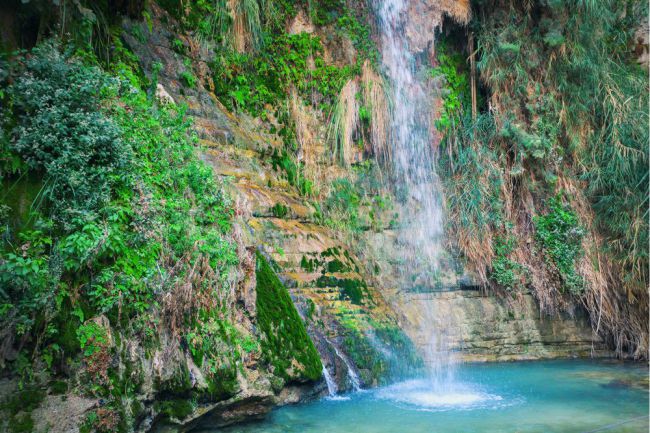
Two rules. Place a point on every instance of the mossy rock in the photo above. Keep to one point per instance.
(178, 409)
(352, 289)
(390, 354)
(286, 343)
(20, 407)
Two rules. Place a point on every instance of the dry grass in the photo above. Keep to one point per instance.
(459, 10)
(246, 25)
(370, 90)
(299, 117)
(616, 312)
(375, 99)
(345, 121)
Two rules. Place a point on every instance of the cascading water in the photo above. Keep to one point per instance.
(331, 385)
(352, 375)
(414, 168)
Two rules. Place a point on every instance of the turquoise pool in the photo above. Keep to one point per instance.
(523, 397)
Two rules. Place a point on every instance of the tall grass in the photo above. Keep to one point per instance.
(247, 28)
(376, 99)
(344, 123)
(568, 109)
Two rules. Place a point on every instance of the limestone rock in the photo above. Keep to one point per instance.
(163, 96)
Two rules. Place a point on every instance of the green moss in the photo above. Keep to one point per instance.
(58, 387)
(179, 384)
(309, 265)
(354, 294)
(311, 309)
(25, 400)
(331, 252)
(178, 409)
(223, 385)
(21, 193)
(286, 338)
(22, 423)
(20, 407)
(279, 210)
(383, 355)
(352, 289)
(337, 266)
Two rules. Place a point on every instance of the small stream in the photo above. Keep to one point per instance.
(576, 396)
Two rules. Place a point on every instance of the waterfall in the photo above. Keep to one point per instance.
(414, 152)
(352, 375)
(332, 389)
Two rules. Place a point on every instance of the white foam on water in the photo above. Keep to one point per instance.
(337, 398)
(421, 395)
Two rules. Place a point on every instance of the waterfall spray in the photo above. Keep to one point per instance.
(414, 171)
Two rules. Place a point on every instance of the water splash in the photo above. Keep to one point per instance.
(414, 175)
(418, 395)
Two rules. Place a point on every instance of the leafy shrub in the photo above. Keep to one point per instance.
(63, 131)
(457, 97)
(506, 272)
(569, 104)
(560, 236)
(162, 214)
(248, 82)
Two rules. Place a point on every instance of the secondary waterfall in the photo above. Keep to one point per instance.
(414, 165)
(331, 385)
(352, 375)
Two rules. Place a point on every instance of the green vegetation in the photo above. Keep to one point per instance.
(115, 235)
(279, 210)
(562, 107)
(452, 68)
(177, 409)
(293, 171)
(19, 406)
(83, 157)
(358, 203)
(286, 338)
(506, 272)
(249, 82)
(354, 290)
(126, 214)
(381, 353)
(560, 236)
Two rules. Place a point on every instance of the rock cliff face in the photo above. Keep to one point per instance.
(346, 289)
(342, 310)
(486, 328)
